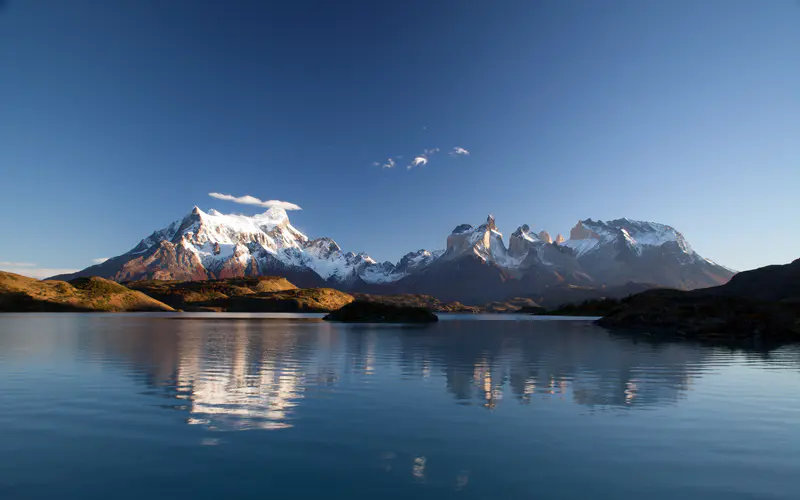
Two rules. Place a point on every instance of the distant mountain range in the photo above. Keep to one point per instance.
(474, 268)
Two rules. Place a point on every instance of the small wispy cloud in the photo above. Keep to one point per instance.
(100, 260)
(389, 163)
(418, 162)
(252, 200)
(422, 160)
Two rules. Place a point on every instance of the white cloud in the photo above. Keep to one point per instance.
(389, 163)
(420, 159)
(423, 159)
(252, 200)
(100, 260)
(17, 264)
(35, 272)
(418, 162)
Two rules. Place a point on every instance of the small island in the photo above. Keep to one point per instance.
(376, 312)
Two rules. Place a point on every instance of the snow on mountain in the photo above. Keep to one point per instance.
(220, 240)
(484, 241)
(588, 235)
(613, 252)
(208, 245)
(415, 261)
(522, 240)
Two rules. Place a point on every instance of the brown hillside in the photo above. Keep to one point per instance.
(23, 294)
(256, 294)
(188, 295)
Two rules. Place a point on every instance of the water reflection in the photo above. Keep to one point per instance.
(476, 409)
(239, 375)
(230, 383)
(253, 375)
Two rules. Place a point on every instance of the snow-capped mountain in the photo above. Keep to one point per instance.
(642, 251)
(475, 266)
(216, 245)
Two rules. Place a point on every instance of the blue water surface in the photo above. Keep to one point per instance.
(269, 406)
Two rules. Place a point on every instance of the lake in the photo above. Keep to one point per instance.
(499, 407)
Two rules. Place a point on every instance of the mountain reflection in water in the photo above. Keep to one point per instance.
(239, 375)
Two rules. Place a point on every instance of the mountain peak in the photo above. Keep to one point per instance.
(581, 232)
(490, 225)
(277, 214)
(635, 234)
(521, 231)
(213, 245)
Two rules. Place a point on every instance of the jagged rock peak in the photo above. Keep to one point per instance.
(581, 232)
(325, 244)
(490, 225)
(521, 230)
(545, 236)
(462, 228)
(559, 239)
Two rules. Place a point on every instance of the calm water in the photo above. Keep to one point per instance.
(126, 406)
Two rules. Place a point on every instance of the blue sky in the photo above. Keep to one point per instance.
(118, 117)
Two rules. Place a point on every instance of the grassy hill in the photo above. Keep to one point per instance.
(257, 294)
(22, 294)
(190, 295)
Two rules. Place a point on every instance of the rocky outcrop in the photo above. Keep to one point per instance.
(481, 241)
(581, 232)
(378, 312)
(522, 241)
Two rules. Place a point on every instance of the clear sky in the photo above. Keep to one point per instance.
(116, 118)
